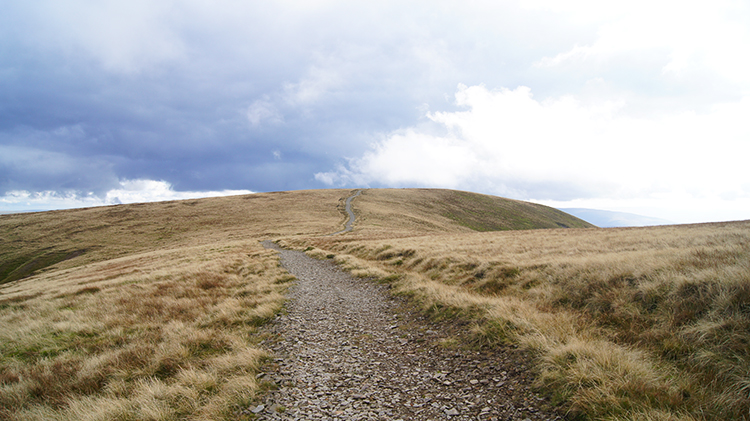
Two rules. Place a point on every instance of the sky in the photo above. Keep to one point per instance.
(637, 106)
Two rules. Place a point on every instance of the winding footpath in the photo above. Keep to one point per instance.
(347, 350)
(350, 223)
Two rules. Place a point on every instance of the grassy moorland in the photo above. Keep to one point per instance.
(641, 323)
(391, 213)
(151, 311)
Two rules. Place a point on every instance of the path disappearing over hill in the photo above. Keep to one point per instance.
(350, 223)
(347, 350)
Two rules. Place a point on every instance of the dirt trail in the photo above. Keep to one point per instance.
(347, 350)
(350, 223)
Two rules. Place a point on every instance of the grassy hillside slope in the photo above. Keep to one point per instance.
(32, 242)
(67, 238)
(409, 212)
(145, 311)
(630, 323)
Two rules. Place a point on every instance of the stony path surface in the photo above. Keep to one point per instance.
(350, 223)
(347, 350)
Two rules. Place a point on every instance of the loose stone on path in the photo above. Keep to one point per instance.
(349, 351)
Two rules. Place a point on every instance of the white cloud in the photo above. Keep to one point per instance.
(408, 158)
(318, 82)
(505, 142)
(690, 38)
(129, 191)
(124, 37)
(136, 191)
(263, 111)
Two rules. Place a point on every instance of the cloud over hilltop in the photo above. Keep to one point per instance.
(508, 143)
(556, 101)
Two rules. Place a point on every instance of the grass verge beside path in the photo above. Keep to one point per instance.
(160, 335)
(649, 323)
(144, 311)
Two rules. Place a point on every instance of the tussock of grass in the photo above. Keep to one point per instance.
(166, 341)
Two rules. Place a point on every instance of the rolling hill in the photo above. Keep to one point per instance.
(34, 241)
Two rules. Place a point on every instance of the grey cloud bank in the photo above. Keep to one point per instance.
(574, 106)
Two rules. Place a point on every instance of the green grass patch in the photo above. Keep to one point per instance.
(26, 265)
(488, 213)
(50, 345)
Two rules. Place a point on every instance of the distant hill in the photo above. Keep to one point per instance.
(31, 242)
(491, 213)
(440, 210)
(609, 219)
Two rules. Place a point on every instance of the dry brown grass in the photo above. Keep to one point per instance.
(156, 335)
(70, 238)
(391, 213)
(148, 311)
(647, 323)
(144, 312)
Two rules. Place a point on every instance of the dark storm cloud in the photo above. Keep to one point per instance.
(203, 95)
(110, 96)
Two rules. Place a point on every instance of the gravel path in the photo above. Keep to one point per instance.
(347, 350)
(350, 223)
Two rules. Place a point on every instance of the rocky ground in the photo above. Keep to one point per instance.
(346, 350)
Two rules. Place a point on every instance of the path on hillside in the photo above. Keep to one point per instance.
(346, 350)
(350, 223)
